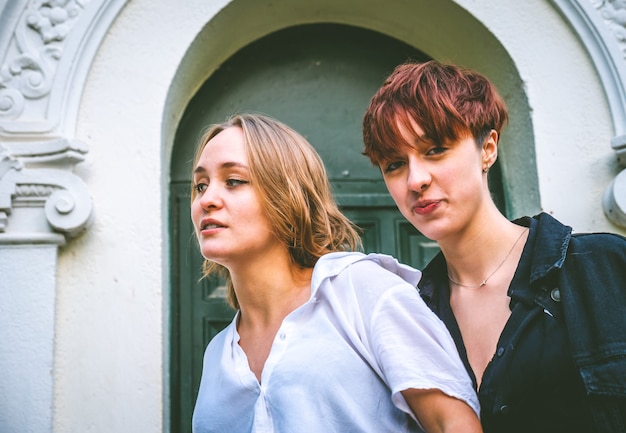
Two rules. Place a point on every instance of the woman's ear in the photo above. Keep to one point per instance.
(490, 150)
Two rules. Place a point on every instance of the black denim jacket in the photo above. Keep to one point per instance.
(591, 278)
(581, 279)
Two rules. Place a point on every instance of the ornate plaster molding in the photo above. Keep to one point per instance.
(32, 62)
(601, 27)
(47, 48)
(53, 203)
(613, 12)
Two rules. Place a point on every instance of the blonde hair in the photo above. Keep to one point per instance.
(290, 179)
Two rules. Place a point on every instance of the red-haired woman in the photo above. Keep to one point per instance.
(538, 314)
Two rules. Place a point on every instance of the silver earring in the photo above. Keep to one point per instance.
(486, 169)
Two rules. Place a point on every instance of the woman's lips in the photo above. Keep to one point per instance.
(425, 208)
(208, 225)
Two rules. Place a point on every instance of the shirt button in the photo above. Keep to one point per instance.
(504, 409)
(283, 336)
(500, 351)
(555, 294)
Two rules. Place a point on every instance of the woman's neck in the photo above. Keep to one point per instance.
(473, 255)
(268, 293)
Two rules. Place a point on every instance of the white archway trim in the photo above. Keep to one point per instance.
(601, 27)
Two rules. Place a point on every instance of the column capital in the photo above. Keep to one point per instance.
(41, 200)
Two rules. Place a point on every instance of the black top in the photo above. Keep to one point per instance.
(531, 385)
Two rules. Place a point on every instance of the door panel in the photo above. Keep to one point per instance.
(384, 230)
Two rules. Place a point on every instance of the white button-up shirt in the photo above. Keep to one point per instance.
(339, 362)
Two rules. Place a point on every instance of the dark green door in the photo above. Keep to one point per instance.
(317, 79)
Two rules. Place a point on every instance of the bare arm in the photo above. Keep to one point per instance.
(439, 412)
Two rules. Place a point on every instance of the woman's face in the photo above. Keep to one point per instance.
(227, 215)
(438, 187)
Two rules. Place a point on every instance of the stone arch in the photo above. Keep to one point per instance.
(223, 36)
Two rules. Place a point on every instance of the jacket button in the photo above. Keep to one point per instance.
(500, 351)
(505, 409)
(555, 294)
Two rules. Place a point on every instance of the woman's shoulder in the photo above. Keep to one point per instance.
(363, 279)
(559, 241)
(603, 249)
(365, 266)
(602, 239)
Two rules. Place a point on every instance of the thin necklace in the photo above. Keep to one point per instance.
(484, 282)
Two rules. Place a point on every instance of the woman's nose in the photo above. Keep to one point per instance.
(418, 176)
(210, 197)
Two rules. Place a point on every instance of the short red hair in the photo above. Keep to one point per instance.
(446, 101)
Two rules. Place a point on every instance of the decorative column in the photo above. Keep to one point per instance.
(46, 49)
(39, 209)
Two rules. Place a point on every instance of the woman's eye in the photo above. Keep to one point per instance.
(235, 182)
(437, 150)
(392, 166)
(200, 187)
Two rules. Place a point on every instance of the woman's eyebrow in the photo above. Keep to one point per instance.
(232, 164)
(227, 164)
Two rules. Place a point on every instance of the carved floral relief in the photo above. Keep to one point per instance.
(28, 69)
(614, 14)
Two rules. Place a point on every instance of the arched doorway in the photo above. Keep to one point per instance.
(317, 78)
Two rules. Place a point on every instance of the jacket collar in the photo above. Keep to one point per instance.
(551, 241)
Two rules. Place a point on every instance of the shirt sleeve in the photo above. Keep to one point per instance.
(411, 345)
